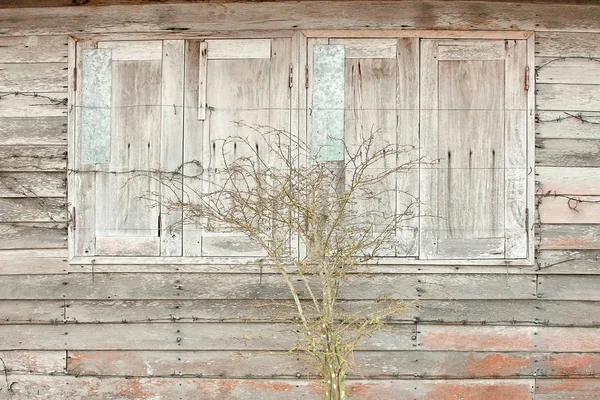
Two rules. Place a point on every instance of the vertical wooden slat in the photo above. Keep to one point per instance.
(193, 144)
(71, 188)
(172, 144)
(202, 68)
(407, 182)
(428, 144)
(515, 149)
(82, 176)
(531, 125)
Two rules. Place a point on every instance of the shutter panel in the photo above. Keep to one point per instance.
(377, 95)
(243, 80)
(143, 136)
(473, 120)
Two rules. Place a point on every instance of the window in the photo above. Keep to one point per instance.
(461, 105)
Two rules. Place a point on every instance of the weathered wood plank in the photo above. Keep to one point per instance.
(569, 261)
(33, 131)
(569, 180)
(179, 336)
(38, 77)
(25, 254)
(265, 286)
(560, 389)
(31, 312)
(33, 49)
(460, 15)
(38, 235)
(570, 237)
(33, 209)
(567, 152)
(31, 105)
(565, 125)
(365, 364)
(569, 287)
(238, 48)
(561, 97)
(508, 338)
(583, 71)
(567, 44)
(36, 362)
(27, 184)
(33, 158)
(146, 50)
(53, 387)
(491, 312)
(573, 210)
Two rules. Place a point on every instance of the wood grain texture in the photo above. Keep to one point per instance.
(569, 180)
(569, 287)
(508, 338)
(19, 235)
(30, 105)
(567, 97)
(31, 312)
(234, 389)
(558, 389)
(33, 49)
(569, 261)
(179, 336)
(567, 152)
(39, 77)
(33, 131)
(490, 312)
(365, 364)
(32, 184)
(566, 125)
(251, 286)
(33, 158)
(567, 44)
(570, 237)
(567, 70)
(34, 362)
(460, 15)
(32, 209)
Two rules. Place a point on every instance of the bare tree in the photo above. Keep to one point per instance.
(316, 222)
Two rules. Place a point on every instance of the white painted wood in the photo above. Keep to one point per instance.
(128, 246)
(27, 105)
(367, 48)
(573, 210)
(171, 149)
(142, 50)
(228, 49)
(34, 130)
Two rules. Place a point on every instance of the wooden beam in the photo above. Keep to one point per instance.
(217, 17)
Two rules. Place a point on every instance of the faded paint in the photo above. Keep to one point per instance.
(499, 364)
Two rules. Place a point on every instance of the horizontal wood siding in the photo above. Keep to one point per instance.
(217, 332)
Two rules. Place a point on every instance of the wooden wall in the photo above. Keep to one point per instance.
(72, 331)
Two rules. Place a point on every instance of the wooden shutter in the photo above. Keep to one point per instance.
(473, 120)
(229, 81)
(364, 86)
(131, 115)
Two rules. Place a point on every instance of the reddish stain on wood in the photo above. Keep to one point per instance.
(569, 339)
(492, 391)
(573, 364)
(497, 365)
(576, 388)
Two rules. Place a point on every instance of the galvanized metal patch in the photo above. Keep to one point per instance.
(95, 103)
(327, 137)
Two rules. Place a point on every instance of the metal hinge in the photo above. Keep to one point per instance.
(526, 78)
(526, 220)
(306, 76)
(159, 225)
(291, 83)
